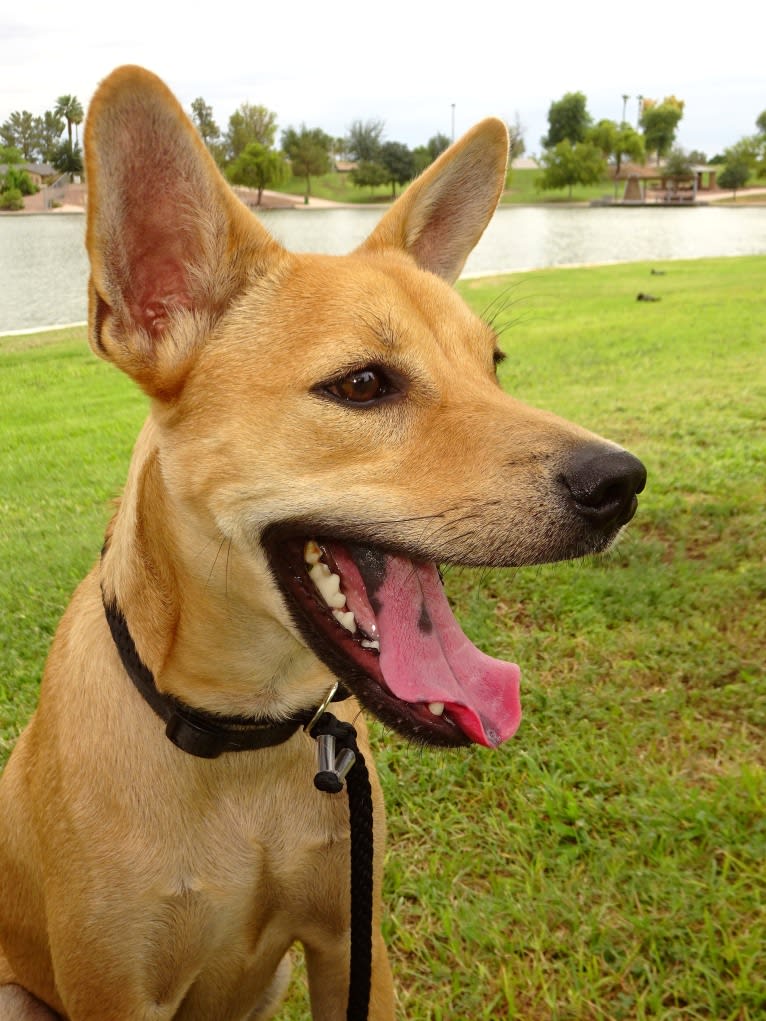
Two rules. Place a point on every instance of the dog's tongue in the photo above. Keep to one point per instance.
(424, 655)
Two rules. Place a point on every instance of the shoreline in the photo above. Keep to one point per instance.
(272, 200)
(467, 278)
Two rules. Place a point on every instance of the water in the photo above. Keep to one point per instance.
(44, 270)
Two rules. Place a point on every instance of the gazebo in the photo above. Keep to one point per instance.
(645, 184)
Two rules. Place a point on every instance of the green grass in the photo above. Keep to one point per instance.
(338, 188)
(521, 190)
(610, 861)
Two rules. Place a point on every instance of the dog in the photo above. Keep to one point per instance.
(323, 432)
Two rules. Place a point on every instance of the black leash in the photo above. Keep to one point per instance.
(337, 744)
(208, 735)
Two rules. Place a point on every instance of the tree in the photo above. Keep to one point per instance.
(70, 108)
(368, 174)
(678, 164)
(604, 136)
(566, 165)
(734, 176)
(308, 150)
(48, 128)
(10, 154)
(68, 158)
(628, 143)
(660, 122)
(20, 132)
(436, 145)
(250, 123)
(399, 163)
(750, 150)
(517, 146)
(760, 122)
(568, 119)
(364, 141)
(202, 117)
(257, 167)
(424, 155)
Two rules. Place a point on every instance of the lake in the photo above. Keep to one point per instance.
(44, 270)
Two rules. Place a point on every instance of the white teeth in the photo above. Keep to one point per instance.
(346, 620)
(370, 644)
(312, 554)
(437, 708)
(328, 585)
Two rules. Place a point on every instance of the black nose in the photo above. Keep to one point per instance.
(604, 483)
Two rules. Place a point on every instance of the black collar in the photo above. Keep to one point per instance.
(197, 731)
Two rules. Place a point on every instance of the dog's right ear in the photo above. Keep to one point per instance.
(169, 244)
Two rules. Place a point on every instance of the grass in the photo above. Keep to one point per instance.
(338, 188)
(609, 862)
(521, 189)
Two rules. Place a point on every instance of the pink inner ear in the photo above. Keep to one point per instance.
(158, 250)
(156, 291)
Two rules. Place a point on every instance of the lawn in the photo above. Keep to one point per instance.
(520, 190)
(610, 861)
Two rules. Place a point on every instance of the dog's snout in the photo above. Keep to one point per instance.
(604, 483)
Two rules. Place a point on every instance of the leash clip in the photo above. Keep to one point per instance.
(336, 752)
(321, 710)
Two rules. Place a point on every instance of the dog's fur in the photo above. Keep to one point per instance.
(138, 882)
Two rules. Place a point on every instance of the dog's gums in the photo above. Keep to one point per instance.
(382, 623)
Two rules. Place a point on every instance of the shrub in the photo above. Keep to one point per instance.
(11, 198)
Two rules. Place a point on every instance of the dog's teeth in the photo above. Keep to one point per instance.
(328, 586)
(346, 620)
(319, 571)
(437, 708)
(367, 644)
(312, 554)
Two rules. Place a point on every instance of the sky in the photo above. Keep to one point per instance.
(417, 65)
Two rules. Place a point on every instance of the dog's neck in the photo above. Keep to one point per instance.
(206, 618)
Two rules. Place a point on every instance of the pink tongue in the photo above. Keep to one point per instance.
(424, 655)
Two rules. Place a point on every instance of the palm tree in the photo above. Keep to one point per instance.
(70, 108)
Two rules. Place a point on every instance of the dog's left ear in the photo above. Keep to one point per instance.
(442, 214)
(170, 245)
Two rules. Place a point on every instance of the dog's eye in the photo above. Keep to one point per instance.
(361, 386)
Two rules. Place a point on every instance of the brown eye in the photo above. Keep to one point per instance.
(360, 386)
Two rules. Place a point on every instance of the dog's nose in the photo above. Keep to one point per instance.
(604, 483)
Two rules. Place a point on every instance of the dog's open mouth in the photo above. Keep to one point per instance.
(382, 623)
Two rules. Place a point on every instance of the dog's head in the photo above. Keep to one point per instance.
(337, 421)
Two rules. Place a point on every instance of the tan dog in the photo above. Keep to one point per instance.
(305, 410)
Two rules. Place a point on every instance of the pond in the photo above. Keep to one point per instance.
(44, 269)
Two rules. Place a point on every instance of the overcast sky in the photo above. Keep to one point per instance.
(404, 61)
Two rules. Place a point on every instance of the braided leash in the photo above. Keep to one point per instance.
(339, 760)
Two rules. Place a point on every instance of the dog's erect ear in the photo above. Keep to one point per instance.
(170, 245)
(442, 215)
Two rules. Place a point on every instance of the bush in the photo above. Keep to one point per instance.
(11, 198)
